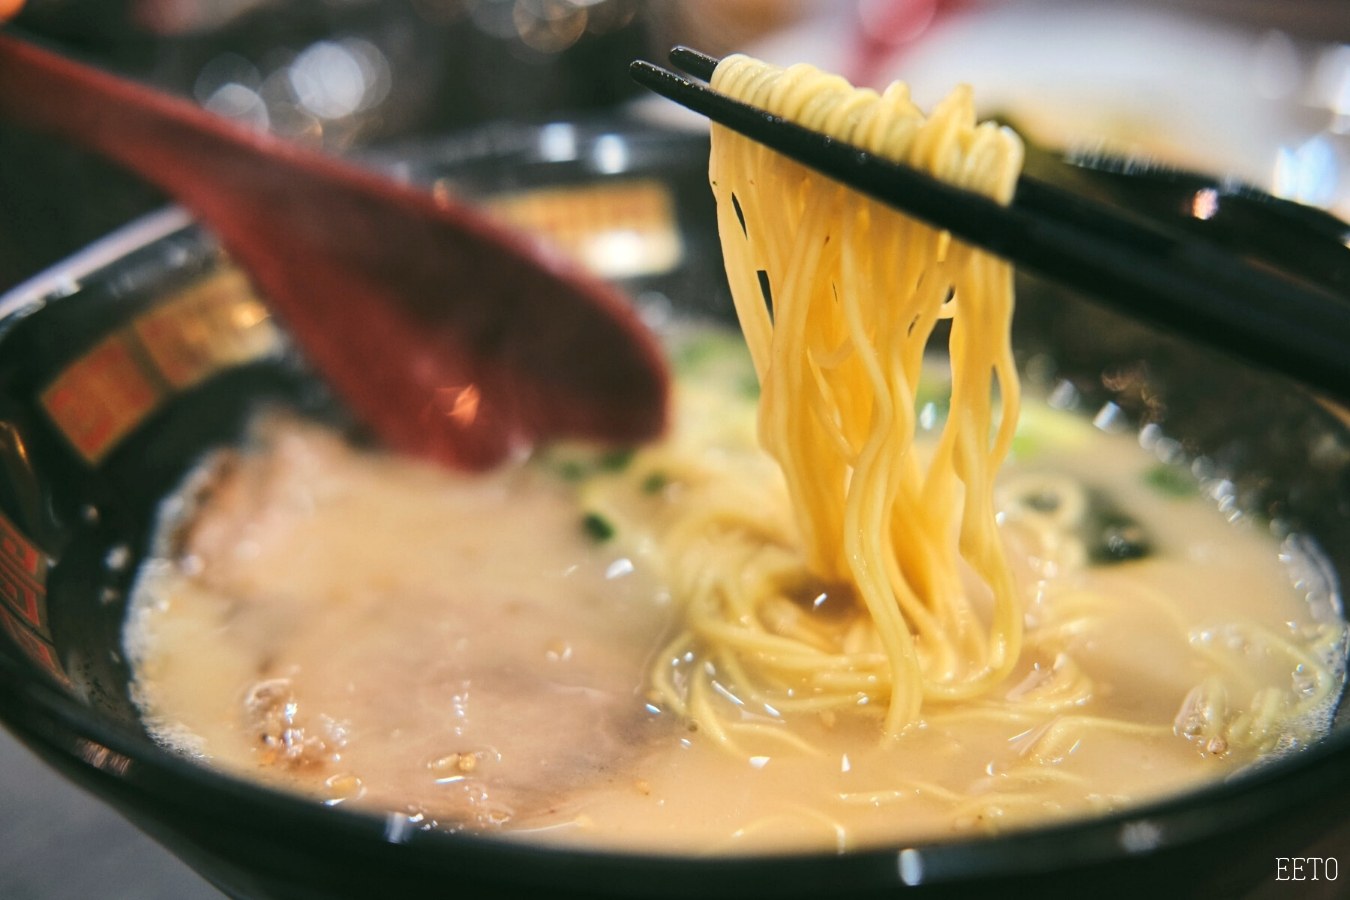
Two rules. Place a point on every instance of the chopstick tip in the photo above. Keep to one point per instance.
(647, 74)
(695, 62)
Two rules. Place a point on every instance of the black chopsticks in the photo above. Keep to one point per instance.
(1177, 280)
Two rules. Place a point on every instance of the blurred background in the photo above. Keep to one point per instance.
(1252, 89)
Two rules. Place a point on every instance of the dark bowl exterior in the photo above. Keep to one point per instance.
(95, 430)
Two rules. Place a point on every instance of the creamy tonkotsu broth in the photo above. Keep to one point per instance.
(475, 652)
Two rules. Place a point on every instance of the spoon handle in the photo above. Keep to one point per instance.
(450, 336)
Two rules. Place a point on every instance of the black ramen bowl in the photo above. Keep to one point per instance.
(121, 367)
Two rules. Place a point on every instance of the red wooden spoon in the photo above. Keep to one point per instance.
(451, 337)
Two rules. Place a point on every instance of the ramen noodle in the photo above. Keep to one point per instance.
(838, 297)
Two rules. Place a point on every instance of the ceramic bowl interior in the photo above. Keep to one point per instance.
(121, 368)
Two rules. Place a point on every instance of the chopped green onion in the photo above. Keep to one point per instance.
(749, 386)
(597, 526)
(571, 470)
(616, 460)
(1173, 481)
(655, 482)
